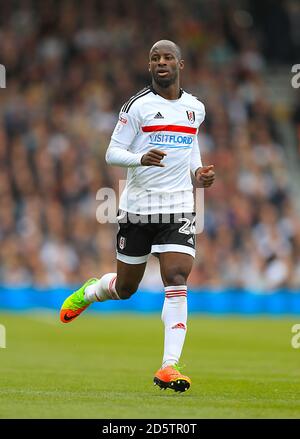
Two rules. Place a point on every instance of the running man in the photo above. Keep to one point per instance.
(156, 139)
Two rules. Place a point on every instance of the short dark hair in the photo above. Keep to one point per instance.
(171, 43)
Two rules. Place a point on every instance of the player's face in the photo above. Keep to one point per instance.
(164, 66)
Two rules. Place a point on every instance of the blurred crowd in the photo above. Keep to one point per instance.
(70, 66)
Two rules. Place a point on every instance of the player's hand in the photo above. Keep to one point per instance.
(153, 158)
(205, 176)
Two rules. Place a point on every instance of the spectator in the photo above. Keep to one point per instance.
(68, 72)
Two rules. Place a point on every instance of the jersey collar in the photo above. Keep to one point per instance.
(155, 92)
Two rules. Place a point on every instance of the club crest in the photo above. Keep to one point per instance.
(122, 242)
(191, 116)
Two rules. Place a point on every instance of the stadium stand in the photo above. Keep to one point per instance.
(69, 70)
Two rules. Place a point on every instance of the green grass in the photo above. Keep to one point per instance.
(102, 367)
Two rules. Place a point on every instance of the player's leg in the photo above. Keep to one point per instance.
(133, 249)
(111, 286)
(175, 269)
(175, 245)
(117, 286)
(128, 278)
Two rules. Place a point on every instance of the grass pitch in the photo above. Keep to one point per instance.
(102, 366)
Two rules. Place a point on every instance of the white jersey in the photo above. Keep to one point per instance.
(150, 121)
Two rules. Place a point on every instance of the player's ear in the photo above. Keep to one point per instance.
(181, 64)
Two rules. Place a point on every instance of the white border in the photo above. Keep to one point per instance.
(132, 259)
(162, 248)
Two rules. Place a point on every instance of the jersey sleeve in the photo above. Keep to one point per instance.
(201, 112)
(196, 161)
(127, 127)
(195, 157)
(118, 152)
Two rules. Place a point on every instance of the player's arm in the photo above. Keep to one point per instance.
(118, 153)
(204, 175)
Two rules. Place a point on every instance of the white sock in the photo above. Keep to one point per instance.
(174, 316)
(102, 290)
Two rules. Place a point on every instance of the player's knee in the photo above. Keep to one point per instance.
(125, 291)
(174, 277)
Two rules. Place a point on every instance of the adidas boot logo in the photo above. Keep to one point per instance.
(158, 116)
(191, 241)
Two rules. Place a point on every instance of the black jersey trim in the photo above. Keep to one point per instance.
(181, 91)
(140, 96)
(128, 104)
(153, 90)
